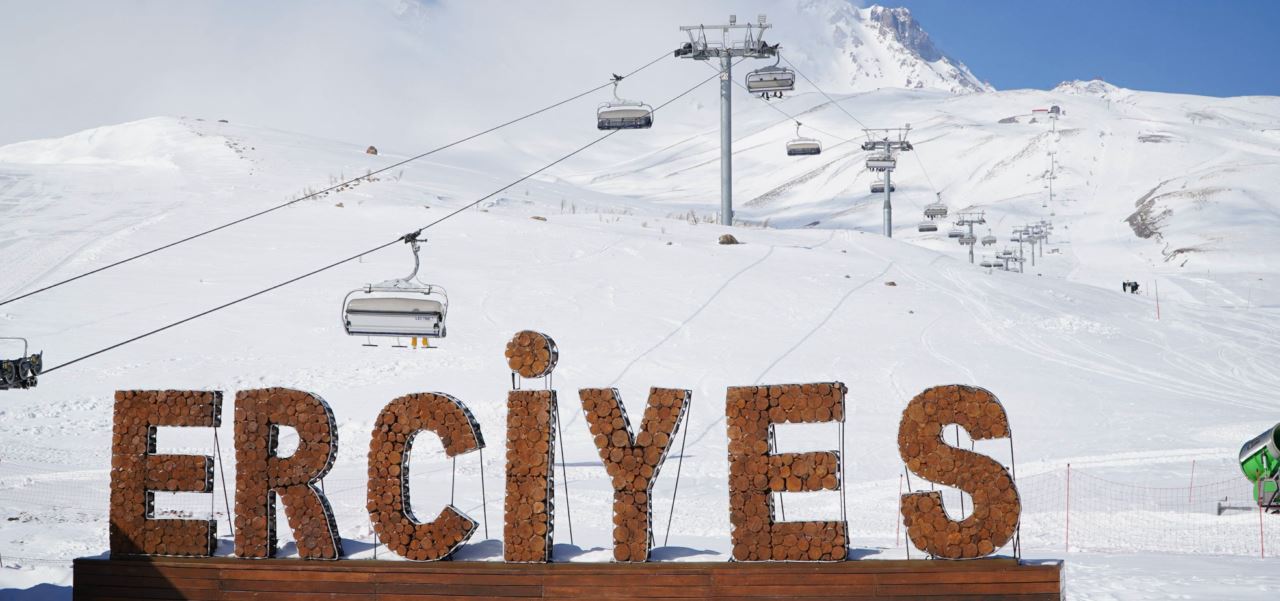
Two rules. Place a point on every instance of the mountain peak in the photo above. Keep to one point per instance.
(904, 28)
(884, 47)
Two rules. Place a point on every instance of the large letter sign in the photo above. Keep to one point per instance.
(261, 473)
(399, 423)
(996, 507)
(754, 473)
(633, 461)
(632, 457)
(137, 471)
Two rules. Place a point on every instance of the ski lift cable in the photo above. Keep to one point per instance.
(824, 94)
(406, 237)
(920, 162)
(330, 188)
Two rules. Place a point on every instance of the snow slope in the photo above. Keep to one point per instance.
(1148, 185)
(636, 294)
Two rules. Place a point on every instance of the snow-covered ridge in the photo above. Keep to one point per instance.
(879, 47)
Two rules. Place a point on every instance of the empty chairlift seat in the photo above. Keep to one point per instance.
(801, 146)
(623, 114)
(881, 162)
(927, 226)
(398, 316)
(988, 240)
(612, 115)
(401, 308)
(955, 232)
(878, 188)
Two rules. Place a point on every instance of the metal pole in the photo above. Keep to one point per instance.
(726, 140)
(971, 263)
(888, 206)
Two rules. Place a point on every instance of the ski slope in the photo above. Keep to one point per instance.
(630, 282)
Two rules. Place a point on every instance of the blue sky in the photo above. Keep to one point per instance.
(1209, 47)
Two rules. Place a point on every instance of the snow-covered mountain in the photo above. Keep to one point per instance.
(886, 47)
(611, 253)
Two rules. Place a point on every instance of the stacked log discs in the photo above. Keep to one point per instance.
(261, 474)
(532, 354)
(529, 506)
(633, 463)
(390, 510)
(996, 505)
(754, 473)
(136, 471)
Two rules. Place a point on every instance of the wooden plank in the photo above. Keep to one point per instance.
(477, 588)
(300, 586)
(279, 596)
(163, 591)
(634, 579)
(993, 588)
(626, 592)
(92, 580)
(310, 575)
(217, 579)
(829, 591)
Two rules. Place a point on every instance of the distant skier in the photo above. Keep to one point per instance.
(1133, 287)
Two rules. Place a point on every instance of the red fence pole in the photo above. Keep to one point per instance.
(1066, 538)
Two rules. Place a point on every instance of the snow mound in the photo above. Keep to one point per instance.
(158, 142)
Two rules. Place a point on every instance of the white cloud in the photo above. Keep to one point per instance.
(401, 73)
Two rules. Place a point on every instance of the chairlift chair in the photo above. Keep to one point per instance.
(936, 209)
(968, 240)
(988, 239)
(802, 146)
(989, 263)
(772, 81)
(877, 187)
(623, 114)
(23, 371)
(881, 162)
(401, 308)
(955, 232)
(928, 226)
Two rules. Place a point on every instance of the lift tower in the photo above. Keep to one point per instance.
(885, 144)
(750, 45)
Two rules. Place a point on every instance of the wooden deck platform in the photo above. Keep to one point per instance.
(359, 580)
